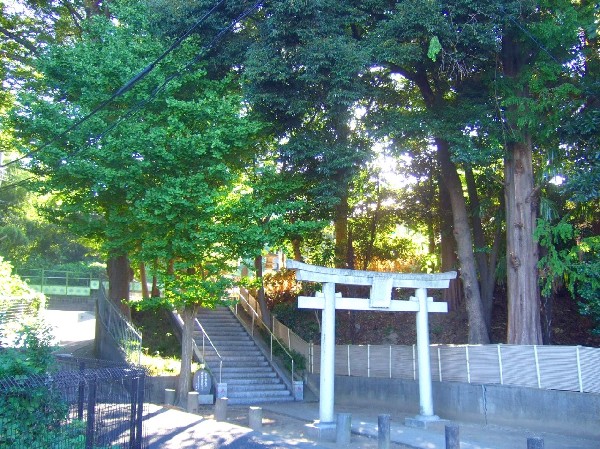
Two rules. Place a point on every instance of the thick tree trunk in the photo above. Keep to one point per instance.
(184, 382)
(144, 280)
(478, 332)
(119, 276)
(453, 294)
(262, 302)
(341, 233)
(524, 324)
(297, 251)
(485, 263)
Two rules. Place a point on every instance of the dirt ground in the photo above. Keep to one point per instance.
(292, 430)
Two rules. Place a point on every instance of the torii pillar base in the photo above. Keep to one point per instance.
(322, 431)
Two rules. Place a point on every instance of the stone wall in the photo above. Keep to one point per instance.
(567, 412)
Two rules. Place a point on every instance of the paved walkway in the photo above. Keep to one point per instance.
(284, 426)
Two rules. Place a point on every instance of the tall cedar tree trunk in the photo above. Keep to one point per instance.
(262, 301)
(184, 382)
(478, 332)
(524, 323)
(453, 294)
(119, 276)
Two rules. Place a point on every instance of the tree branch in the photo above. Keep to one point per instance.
(25, 43)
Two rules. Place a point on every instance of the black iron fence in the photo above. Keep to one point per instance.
(83, 404)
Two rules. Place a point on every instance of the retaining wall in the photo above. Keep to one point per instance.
(566, 412)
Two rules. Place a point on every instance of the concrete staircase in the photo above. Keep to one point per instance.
(249, 376)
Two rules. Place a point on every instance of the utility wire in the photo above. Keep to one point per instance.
(140, 104)
(123, 89)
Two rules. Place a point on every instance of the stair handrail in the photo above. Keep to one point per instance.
(204, 334)
(256, 316)
(200, 355)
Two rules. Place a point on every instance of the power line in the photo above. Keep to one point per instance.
(123, 89)
(140, 104)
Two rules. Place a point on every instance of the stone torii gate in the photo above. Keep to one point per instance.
(380, 299)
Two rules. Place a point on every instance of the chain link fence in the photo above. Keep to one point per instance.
(123, 334)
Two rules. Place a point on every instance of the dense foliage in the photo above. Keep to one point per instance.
(339, 132)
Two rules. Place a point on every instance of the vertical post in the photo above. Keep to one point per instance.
(468, 364)
(327, 375)
(221, 409)
(537, 366)
(140, 411)
(390, 361)
(439, 351)
(368, 360)
(348, 357)
(579, 370)
(452, 437)
(383, 432)
(255, 418)
(343, 428)
(500, 365)
(80, 397)
(414, 359)
(425, 389)
(133, 408)
(91, 415)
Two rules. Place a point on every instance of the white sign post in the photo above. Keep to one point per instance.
(380, 299)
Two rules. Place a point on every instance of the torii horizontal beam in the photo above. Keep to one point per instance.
(313, 273)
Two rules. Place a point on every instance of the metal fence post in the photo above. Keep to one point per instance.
(91, 414)
(439, 351)
(500, 365)
(81, 392)
(348, 358)
(579, 370)
(140, 411)
(468, 364)
(537, 366)
(133, 407)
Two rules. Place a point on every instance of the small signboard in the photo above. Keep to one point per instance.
(202, 381)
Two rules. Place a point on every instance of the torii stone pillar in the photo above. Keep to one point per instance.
(380, 299)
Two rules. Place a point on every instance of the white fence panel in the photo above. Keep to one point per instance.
(453, 364)
(518, 366)
(379, 357)
(484, 364)
(590, 369)
(558, 367)
(403, 362)
(359, 360)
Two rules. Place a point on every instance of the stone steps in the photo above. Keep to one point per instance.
(248, 374)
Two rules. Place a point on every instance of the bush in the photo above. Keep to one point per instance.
(32, 415)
